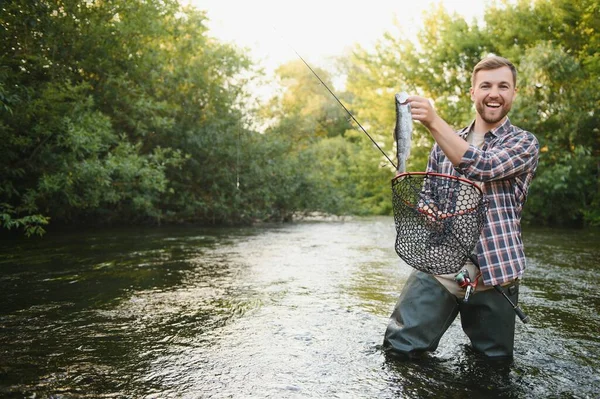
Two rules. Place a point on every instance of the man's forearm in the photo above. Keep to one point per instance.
(451, 144)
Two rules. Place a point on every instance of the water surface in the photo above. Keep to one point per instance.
(286, 311)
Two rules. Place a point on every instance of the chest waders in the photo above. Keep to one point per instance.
(438, 220)
(426, 309)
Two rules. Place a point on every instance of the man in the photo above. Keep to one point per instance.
(502, 159)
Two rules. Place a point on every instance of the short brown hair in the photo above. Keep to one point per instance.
(494, 62)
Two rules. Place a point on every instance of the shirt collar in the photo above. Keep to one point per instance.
(500, 130)
(465, 131)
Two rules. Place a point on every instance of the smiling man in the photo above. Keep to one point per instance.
(501, 158)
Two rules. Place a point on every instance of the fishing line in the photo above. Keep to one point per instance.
(338, 100)
(237, 161)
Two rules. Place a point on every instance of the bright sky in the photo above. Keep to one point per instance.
(317, 29)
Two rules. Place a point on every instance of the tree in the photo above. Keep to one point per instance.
(100, 100)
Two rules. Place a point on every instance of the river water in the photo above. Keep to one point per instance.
(286, 311)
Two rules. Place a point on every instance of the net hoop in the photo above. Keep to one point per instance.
(438, 220)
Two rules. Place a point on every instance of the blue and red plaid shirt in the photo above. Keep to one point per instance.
(505, 164)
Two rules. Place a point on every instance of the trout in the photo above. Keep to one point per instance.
(403, 130)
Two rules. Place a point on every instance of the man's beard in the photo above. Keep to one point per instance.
(481, 110)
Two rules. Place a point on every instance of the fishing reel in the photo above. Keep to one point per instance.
(463, 279)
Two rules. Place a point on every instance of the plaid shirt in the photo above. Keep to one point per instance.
(505, 165)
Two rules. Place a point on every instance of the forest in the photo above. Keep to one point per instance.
(122, 112)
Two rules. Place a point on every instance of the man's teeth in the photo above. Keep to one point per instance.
(493, 105)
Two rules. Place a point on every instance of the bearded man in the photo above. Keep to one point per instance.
(501, 158)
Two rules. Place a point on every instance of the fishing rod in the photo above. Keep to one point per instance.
(344, 107)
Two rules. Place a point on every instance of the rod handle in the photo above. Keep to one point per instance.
(524, 318)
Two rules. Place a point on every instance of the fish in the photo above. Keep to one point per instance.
(403, 131)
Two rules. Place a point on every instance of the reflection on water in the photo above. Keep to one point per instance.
(277, 311)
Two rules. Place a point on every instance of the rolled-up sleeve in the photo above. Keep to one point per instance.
(511, 156)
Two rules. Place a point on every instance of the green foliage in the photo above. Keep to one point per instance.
(564, 193)
(114, 111)
(347, 177)
(30, 224)
(124, 111)
(304, 111)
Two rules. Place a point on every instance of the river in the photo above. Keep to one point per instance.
(278, 311)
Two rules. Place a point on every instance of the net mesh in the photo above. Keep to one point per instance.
(438, 220)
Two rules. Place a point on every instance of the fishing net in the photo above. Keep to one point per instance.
(438, 220)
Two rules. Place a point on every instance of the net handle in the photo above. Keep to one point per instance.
(460, 179)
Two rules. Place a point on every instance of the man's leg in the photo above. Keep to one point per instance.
(489, 321)
(422, 315)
